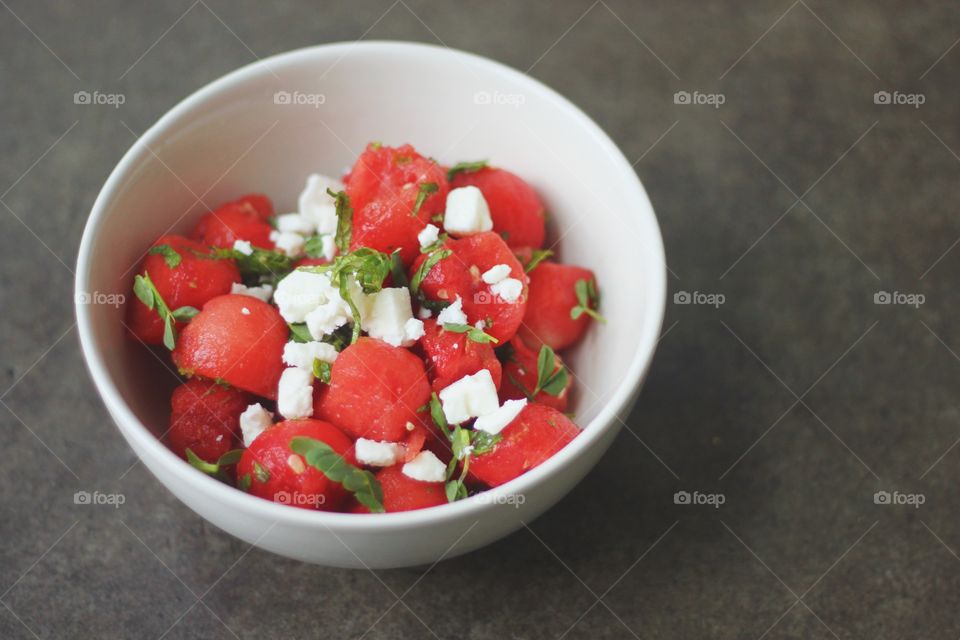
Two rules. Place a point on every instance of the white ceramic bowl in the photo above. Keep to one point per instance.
(264, 128)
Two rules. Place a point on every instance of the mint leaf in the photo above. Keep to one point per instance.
(299, 332)
(185, 313)
(551, 379)
(148, 294)
(468, 167)
(417, 280)
(538, 256)
(170, 255)
(261, 473)
(321, 456)
(313, 247)
(214, 468)
(322, 370)
(473, 333)
(143, 289)
(425, 189)
(244, 482)
(263, 266)
(439, 417)
(397, 271)
(588, 300)
(344, 220)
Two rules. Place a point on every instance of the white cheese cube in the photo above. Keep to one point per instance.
(387, 316)
(316, 205)
(426, 467)
(295, 223)
(496, 273)
(302, 354)
(428, 235)
(263, 292)
(288, 242)
(243, 247)
(508, 289)
(452, 313)
(413, 330)
(374, 453)
(469, 397)
(495, 422)
(329, 246)
(467, 212)
(424, 313)
(300, 293)
(295, 393)
(254, 421)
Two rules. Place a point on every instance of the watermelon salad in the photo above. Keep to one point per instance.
(394, 344)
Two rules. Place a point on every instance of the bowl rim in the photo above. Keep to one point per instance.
(168, 462)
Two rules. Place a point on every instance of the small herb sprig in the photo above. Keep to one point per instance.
(473, 333)
(417, 280)
(262, 266)
(322, 370)
(468, 167)
(313, 247)
(321, 456)
(588, 300)
(344, 220)
(148, 294)
(464, 443)
(217, 468)
(551, 379)
(170, 255)
(423, 192)
(538, 256)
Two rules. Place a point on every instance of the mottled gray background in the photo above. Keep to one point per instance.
(797, 200)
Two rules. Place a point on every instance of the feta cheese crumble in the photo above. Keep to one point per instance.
(495, 421)
(302, 354)
(245, 311)
(508, 289)
(452, 313)
(295, 393)
(424, 313)
(467, 212)
(295, 223)
(390, 317)
(426, 467)
(374, 453)
(496, 274)
(317, 206)
(289, 242)
(243, 247)
(469, 397)
(263, 292)
(428, 235)
(254, 421)
(300, 293)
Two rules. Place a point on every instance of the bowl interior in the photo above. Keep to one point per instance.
(265, 127)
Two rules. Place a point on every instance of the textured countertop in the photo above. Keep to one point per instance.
(786, 191)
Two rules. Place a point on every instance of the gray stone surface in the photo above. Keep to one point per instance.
(796, 399)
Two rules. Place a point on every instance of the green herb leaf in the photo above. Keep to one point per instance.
(397, 272)
(244, 482)
(322, 370)
(229, 458)
(260, 267)
(170, 255)
(313, 247)
(261, 473)
(473, 333)
(321, 456)
(299, 332)
(551, 379)
(588, 300)
(185, 313)
(425, 268)
(483, 442)
(436, 412)
(424, 191)
(461, 167)
(148, 294)
(538, 256)
(344, 220)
